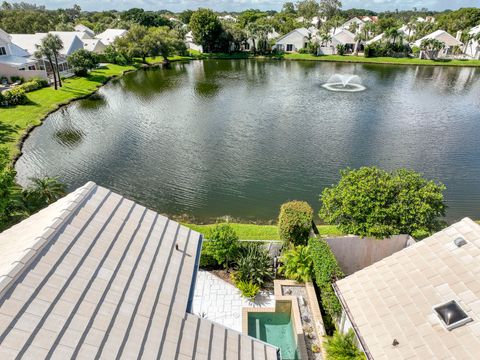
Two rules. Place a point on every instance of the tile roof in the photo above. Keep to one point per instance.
(394, 298)
(96, 275)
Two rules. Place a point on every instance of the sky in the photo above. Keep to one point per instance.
(238, 5)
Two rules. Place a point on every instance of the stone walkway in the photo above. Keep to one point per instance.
(219, 301)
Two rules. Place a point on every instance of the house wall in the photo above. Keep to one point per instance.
(8, 72)
(354, 253)
(295, 38)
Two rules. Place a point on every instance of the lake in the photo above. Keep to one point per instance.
(212, 138)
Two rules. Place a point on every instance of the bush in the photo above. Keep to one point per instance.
(222, 244)
(297, 264)
(254, 264)
(33, 85)
(341, 49)
(380, 49)
(326, 271)
(14, 96)
(372, 202)
(207, 260)
(248, 289)
(295, 222)
(343, 347)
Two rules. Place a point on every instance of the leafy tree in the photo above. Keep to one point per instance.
(250, 16)
(335, 22)
(458, 20)
(372, 202)
(206, 29)
(343, 347)
(253, 264)
(134, 43)
(385, 23)
(289, 8)
(295, 222)
(330, 8)
(259, 35)
(223, 244)
(392, 34)
(164, 42)
(308, 9)
(297, 264)
(185, 16)
(8, 195)
(82, 61)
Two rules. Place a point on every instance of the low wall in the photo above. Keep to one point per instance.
(8, 72)
(354, 253)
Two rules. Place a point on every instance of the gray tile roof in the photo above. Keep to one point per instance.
(394, 298)
(97, 276)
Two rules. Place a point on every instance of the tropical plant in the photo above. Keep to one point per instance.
(254, 264)
(431, 47)
(222, 244)
(42, 192)
(372, 202)
(343, 347)
(341, 49)
(326, 271)
(82, 61)
(295, 222)
(49, 49)
(297, 264)
(248, 289)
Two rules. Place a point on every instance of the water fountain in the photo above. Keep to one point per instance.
(344, 82)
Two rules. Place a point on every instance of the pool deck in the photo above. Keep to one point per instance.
(221, 302)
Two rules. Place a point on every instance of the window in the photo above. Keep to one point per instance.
(289, 47)
(247, 46)
(452, 315)
(3, 51)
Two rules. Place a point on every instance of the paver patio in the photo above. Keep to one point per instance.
(219, 301)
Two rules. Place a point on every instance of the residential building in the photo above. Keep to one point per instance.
(293, 41)
(94, 45)
(422, 302)
(441, 35)
(17, 62)
(228, 18)
(85, 30)
(355, 21)
(109, 35)
(189, 41)
(473, 46)
(95, 275)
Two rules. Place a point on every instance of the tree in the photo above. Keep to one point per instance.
(45, 52)
(185, 16)
(206, 29)
(392, 34)
(288, 8)
(164, 42)
(222, 244)
(134, 44)
(330, 8)
(8, 194)
(55, 44)
(42, 192)
(431, 47)
(250, 16)
(82, 61)
(335, 22)
(343, 347)
(372, 202)
(259, 35)
(294, 222)
(308, 9)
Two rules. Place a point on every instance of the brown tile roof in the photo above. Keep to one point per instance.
(394, 298)
(98, 276)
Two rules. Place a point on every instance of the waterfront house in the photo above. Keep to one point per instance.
(108, 36)
(294, 41)
(448, 41)
(85, 30)
(95, 275)
(354, 21)
(94, 45)
(473, 46)
(190, 43)
(17, 62)
(422, 302)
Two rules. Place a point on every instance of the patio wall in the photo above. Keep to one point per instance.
(8, 71)
(354, 253)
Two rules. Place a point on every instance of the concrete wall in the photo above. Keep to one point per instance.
(8, 71)
(354, 253)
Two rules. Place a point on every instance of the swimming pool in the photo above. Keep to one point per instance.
(274, 328)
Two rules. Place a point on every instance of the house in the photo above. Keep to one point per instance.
(441, 35)
(85, 30)
(16, 62)
(403, 33)
(94, 45)
(372, 19)
(71, 43)
(422, 302)
(293, 41)
(355, 21)
(189, 41)
(95, 275)
(228, 18)
(473, 46)
(108, 36)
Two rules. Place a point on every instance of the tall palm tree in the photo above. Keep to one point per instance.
(392, 34)
(56, 45)
(359, 38)
(44, 52)
(411, 26)
(431, 47)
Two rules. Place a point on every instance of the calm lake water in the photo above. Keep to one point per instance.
(238, 138)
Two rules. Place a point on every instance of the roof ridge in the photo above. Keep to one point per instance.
(31, 252)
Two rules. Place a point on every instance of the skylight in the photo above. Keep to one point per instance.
(452, 315)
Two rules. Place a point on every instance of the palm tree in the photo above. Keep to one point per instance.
(431, 47)
(44, 52)
(56, 45)
(42, 192)
(411, 26)
(392, 34)
(358, 40)
(325, 37)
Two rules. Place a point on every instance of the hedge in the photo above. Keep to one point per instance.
(295, 222)
(33, 85)
(326, 271)
(14, 96)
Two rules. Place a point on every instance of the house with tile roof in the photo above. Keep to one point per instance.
(422, 302)
(96, 275)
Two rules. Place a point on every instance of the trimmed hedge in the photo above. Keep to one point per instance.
(295, 222)
(33, 85)
(326, 271)
(12, 97)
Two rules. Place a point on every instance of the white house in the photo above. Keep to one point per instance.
(347, 25)
(228, 17)
(189, 41)
(341, 37)
(15, 61)
(109, 35)
(473, 47)
(94, 45)
(85, 30)
(441, 35)
(293, 41)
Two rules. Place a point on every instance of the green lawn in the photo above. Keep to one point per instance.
(261, 232)
(379, 60)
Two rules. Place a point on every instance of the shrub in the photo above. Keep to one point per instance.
(343, 347)
(326, 271)
(33, 85)
(14, 96)
(378, 49)
(207, 260)
(254, 264)
(82, 61)
(372, 202)
(223, 244)
(297, 264)
(341, 49)
(295, 222)
(248, 289)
